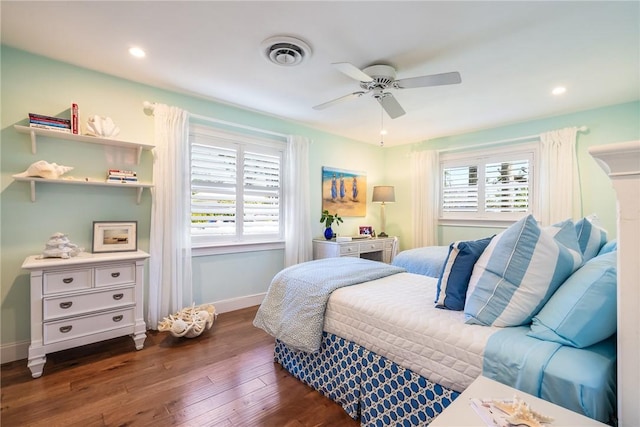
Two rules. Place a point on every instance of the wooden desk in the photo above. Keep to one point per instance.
(460, 413)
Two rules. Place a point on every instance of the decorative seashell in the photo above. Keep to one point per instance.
(178, 326)
(102, 126)
(189, 322)
(44, 169)
(59, 246)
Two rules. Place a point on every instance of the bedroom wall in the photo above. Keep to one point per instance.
(35, 84)
(606, 125)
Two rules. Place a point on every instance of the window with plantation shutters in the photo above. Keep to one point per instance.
(236, 192)
(488, 184)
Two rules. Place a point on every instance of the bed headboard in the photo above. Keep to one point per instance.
(621, 161)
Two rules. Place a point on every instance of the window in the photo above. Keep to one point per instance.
(236, 191)
(488, 184)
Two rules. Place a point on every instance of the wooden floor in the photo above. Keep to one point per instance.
(225, 377)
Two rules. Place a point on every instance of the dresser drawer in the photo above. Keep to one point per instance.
(76, 327)
(67, 280)
(115, 274)
(348, 249)
(72, 305)
(371, 246)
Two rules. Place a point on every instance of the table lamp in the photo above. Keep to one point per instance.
(383, 194)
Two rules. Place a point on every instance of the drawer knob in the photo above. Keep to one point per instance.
(118, 296)
(116, 274)
(66, 304)
(68, 280)
(65, 329)
(117, 318)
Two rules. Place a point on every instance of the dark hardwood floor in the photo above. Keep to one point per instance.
(225, 377)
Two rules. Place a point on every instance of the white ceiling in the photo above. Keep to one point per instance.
(510, 55)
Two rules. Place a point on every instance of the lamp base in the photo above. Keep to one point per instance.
(383, 234)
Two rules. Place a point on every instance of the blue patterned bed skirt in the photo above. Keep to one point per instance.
(368, 386)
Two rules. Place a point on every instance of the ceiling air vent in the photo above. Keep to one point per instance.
(285, 51)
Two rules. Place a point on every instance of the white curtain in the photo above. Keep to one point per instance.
(297, 228)
(425, 172)
(560, 196)
(170, 237)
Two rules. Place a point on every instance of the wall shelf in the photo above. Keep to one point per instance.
(138, 187)
(34, 132)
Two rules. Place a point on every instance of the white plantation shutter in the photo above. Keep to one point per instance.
(489, 185)
(460, 189)
(213, 190)
(261, 194)
(507, 186)
(235, 188)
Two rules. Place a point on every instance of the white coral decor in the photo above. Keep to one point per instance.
(190, 321)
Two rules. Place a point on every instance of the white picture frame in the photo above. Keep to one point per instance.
(115, 236)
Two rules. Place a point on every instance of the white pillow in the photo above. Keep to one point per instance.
(519, 271)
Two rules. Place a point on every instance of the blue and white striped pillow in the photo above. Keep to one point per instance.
(518, 272)
(591, 237)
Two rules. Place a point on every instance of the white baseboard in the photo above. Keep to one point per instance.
(232, 304)
(20, 350)
(14, 351)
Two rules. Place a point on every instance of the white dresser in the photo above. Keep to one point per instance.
(376, 249)
(84, 299)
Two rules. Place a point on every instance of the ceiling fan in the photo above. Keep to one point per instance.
(378, 78)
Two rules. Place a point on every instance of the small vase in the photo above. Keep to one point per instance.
(328, 233)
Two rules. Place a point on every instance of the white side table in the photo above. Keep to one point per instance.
(460, 413)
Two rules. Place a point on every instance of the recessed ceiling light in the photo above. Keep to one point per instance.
(137, 52)
(559, 90)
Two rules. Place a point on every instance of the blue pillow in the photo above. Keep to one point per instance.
(517, 274)
(591, 237)
(454, 280)
(582, 312)
(609, 247)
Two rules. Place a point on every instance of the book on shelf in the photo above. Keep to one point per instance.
(52, 124)
(75, 129)
(49, 119)
(121, 179)
(120, 172)
(48, 127)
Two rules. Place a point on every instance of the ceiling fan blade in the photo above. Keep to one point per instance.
(338, 100)
(352, 71)
(390, 105)
(432, 80)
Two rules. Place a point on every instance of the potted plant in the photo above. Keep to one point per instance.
(328, 219)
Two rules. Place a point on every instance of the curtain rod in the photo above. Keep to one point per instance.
(502, 141)
(149, 106)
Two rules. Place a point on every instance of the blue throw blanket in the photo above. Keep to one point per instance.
(293, 309)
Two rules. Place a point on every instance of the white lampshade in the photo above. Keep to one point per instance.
(384, 193)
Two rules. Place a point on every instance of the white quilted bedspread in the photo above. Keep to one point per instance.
(395, 317)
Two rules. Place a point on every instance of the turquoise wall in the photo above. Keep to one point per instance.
(606, 125)
(35, 84)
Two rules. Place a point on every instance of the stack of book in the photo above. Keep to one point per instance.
(121, 176)
(50, 123)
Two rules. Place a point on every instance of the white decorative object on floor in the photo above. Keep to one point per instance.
(59, 246)
(44, 169)
(189, 322)
(102, 126)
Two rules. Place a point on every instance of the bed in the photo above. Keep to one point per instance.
(384, 351)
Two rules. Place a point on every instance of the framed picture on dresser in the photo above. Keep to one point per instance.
(115, 236)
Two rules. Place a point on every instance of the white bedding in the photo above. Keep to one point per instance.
(395, 317)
